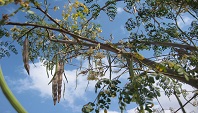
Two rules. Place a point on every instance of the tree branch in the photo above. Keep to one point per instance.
(102, 45)
(48, 16)
(172, 45)
(167, 44)
(186, 103)
(179, 101)
(170, 73)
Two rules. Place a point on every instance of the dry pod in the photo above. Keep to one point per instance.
(26, 55)
(54, 88)
(60, 78)
(57, 82)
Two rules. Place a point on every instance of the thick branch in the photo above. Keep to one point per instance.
(170, 73)
(102, 45)
(172, 45)
(167, 44)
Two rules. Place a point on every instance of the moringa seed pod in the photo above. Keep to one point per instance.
(57, 82)
(25, 55)
(60, 78)
(54, 88)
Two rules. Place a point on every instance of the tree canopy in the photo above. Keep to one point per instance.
(153, 26)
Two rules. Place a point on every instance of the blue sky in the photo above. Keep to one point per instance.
(33, 91)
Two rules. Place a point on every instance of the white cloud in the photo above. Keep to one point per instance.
(38, 81)
(108, 111)
(172, 102)
(71, 91)
(134, 110)
(119, 10)
(184, 21)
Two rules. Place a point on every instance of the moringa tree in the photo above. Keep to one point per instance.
(153, 26)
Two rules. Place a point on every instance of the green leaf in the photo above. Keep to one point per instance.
(157, 77)
(186, 77)
(158, 93)
(108, 100)
(74, 26)
(151, 79)
(163, 79)
(180, 70)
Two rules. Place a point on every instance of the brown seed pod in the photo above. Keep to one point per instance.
(60, 78)
(57, 82)
(26, 55)
(54, 88)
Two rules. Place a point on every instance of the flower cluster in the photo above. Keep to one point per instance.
(99, 55)
(78, 4)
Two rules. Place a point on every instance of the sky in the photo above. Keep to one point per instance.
(35, 94)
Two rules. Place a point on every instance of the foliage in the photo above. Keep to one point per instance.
(153, 26)
(6, 46)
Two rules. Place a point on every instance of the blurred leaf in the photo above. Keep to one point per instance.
(30, 12)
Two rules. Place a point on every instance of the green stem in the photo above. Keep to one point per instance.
(142, 109)
(130, 66)
(9, 95)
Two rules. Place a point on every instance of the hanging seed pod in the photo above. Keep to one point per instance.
(54, 88)
(57, 82)
(26, 55)
(60, 78)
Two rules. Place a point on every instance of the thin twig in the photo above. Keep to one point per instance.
(186, 103)
(102, 8)
(184, 33)
(160, 104)
(26, 33)
(179, 101)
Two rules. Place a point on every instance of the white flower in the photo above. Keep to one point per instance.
(99, 55)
